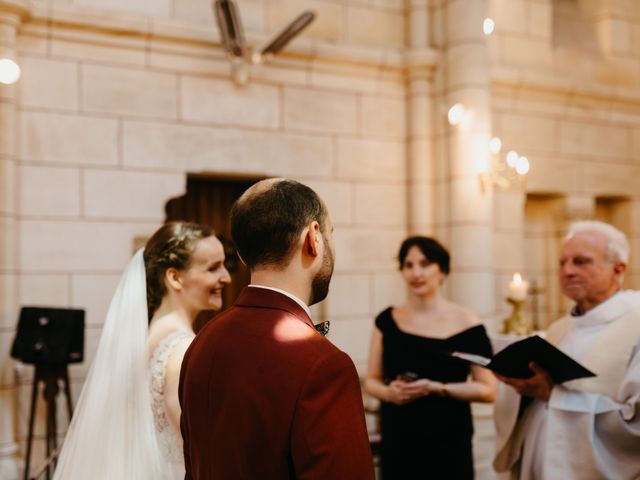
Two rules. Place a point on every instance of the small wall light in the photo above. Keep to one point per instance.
(495, 145)
(522, 166)
(456, 114)
(504, 172)
(488, 26)
(9, 71)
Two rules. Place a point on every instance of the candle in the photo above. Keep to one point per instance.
(518, 287)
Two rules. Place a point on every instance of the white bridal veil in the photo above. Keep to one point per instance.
(112, 434)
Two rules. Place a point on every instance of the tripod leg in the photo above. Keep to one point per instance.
(54, 435)
(51, 391)
(48, 440)
(34, 396)
(67, 392)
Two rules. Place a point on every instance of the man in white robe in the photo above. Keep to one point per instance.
(586, 428)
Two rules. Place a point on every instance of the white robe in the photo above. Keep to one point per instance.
(581, 434)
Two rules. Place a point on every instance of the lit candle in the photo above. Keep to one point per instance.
(518, 287)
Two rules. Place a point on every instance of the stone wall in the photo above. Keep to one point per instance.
(119, 101)
(566, 92)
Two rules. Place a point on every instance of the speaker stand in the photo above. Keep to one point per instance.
(49, 376)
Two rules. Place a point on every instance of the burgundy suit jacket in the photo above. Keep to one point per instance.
(264, 396)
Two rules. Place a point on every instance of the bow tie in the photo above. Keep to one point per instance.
(323, 327)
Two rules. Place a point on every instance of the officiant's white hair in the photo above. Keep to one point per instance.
(618, 245)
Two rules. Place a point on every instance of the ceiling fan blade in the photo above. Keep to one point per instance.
(230, 26)
(284, 37)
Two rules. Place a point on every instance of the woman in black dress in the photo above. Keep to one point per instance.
(426, 419)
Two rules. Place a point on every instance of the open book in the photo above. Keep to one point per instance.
(514, 361)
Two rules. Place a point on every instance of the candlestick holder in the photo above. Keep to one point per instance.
(517, 322)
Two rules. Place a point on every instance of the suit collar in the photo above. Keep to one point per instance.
(288, 294)
(266, 298)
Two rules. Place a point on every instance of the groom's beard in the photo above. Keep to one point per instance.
(320, 283)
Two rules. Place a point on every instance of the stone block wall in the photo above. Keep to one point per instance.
(120, 101)
(565, 93)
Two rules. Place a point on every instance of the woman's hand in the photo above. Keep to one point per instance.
(421, 388)
(396, 393)
(401, 392)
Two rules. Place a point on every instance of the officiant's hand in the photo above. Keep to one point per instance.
(538, 386)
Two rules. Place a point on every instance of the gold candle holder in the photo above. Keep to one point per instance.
(517, 322)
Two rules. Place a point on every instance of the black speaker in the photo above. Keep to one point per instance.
(49, 336)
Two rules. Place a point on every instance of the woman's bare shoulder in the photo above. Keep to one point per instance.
(399, 311)
(465, 317)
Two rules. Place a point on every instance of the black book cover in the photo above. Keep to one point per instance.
(513, 361)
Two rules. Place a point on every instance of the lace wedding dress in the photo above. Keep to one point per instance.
(169, 441)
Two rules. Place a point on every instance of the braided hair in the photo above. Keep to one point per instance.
(171, 246)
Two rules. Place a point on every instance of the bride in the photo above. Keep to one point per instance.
(127, 421)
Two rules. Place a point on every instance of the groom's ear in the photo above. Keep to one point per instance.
(312, 239)
(173, 278)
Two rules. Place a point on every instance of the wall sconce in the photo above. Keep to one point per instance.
(232, 36)
(9, 71)
(503, 171)
(488, 25)
(455, 115)
(459, 115)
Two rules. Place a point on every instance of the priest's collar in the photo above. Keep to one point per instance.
(607, 311)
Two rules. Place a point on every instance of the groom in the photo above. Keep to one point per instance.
(263, 394)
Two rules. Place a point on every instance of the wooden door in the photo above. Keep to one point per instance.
(208, 201)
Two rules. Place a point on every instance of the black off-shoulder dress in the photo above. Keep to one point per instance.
(431, 436)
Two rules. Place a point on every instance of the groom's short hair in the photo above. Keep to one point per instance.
(267, 220)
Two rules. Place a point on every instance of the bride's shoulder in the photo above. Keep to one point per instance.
(163, 330)
(178, 347)
(166, 358)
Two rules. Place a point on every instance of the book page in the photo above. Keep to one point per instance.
(470, 357)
